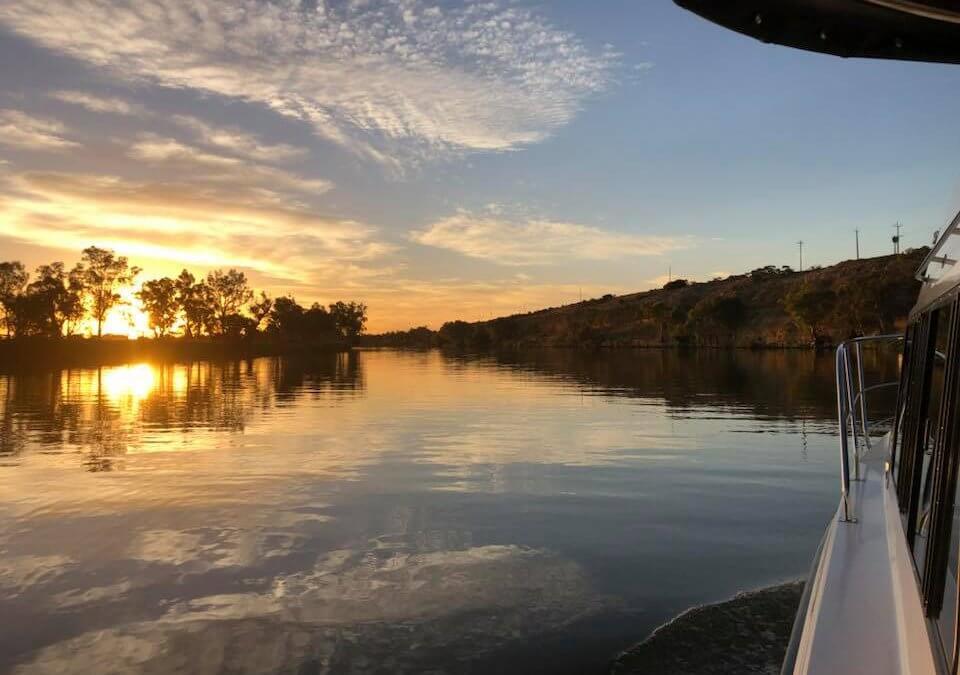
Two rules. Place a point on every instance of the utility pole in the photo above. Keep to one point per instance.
(896, 239)
(669, 273)
(800, 244)
(857, 233)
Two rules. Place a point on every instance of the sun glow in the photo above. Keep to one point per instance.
(125, 319)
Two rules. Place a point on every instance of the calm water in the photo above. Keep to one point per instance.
(399, 512)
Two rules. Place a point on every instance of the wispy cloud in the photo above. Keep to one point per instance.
(208, 166)
(385, 78)
(237, 141)
(20, 130)
(537, 241)
(100, 104)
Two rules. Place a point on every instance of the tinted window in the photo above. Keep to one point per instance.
(929, 437)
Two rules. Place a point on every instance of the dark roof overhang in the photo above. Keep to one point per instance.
(881, 29)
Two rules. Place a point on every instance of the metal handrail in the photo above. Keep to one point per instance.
(852, 416)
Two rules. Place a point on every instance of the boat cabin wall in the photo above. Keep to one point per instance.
(925, 457)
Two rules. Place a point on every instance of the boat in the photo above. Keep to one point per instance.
(882, 594)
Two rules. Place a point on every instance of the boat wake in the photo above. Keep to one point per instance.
(746, 634)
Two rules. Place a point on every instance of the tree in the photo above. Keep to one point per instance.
(731, 313)
(260, 309)
(237, 325)
(289, 318)
(160, 301)
(457, 333)
(28, 315)
(350, 318)
(676, 283)
(318, 322)
(51, 305)
(208, 321)
(810, 305)
(286, 316)
(193, 302)
(228, 293)
(102, 274)
(13, 277)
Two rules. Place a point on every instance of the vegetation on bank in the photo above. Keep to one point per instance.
(47, 312)
(767, 307)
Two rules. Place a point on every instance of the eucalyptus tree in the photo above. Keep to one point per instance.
(102, 274)
(13, 277)
(52, 304)
(260, 308)
(350, 318)
(193, 300)
(228, 293)
(159, 300)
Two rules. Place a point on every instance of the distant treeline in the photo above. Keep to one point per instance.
(767, 307)
(56, 303)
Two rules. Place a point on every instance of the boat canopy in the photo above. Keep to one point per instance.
(882, 29)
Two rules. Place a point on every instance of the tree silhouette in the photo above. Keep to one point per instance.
(101, 274)
(228, 293)
(350, 318)
(260, 309)
(193, 301)
(160, 302)
(13, 277)
(50, 305)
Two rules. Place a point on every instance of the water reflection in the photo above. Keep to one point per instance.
(399, 512)
(106, 413)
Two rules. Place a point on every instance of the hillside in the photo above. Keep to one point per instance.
(768, 307)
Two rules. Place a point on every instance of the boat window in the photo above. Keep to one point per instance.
(938, 526)
(911, 454)
(928, 436)
(946, 619)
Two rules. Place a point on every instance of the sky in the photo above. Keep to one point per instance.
(444, 160)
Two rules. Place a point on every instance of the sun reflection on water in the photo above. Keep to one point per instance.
(128, 382)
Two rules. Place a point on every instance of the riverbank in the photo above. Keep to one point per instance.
(746, 634)
(766, 308)
(31, 353)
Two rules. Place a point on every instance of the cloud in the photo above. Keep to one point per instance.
(19, 130)
(385, 596)
(537, 242)
(99, 104)
(384, 78)
(182, 222)
(238, 142)
(204, 165)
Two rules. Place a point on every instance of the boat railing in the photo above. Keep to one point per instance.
(854, 421)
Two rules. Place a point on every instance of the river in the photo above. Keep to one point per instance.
(386, 512)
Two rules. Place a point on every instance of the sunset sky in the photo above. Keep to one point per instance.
(442, 160)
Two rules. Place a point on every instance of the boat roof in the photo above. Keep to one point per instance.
(882, 29)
